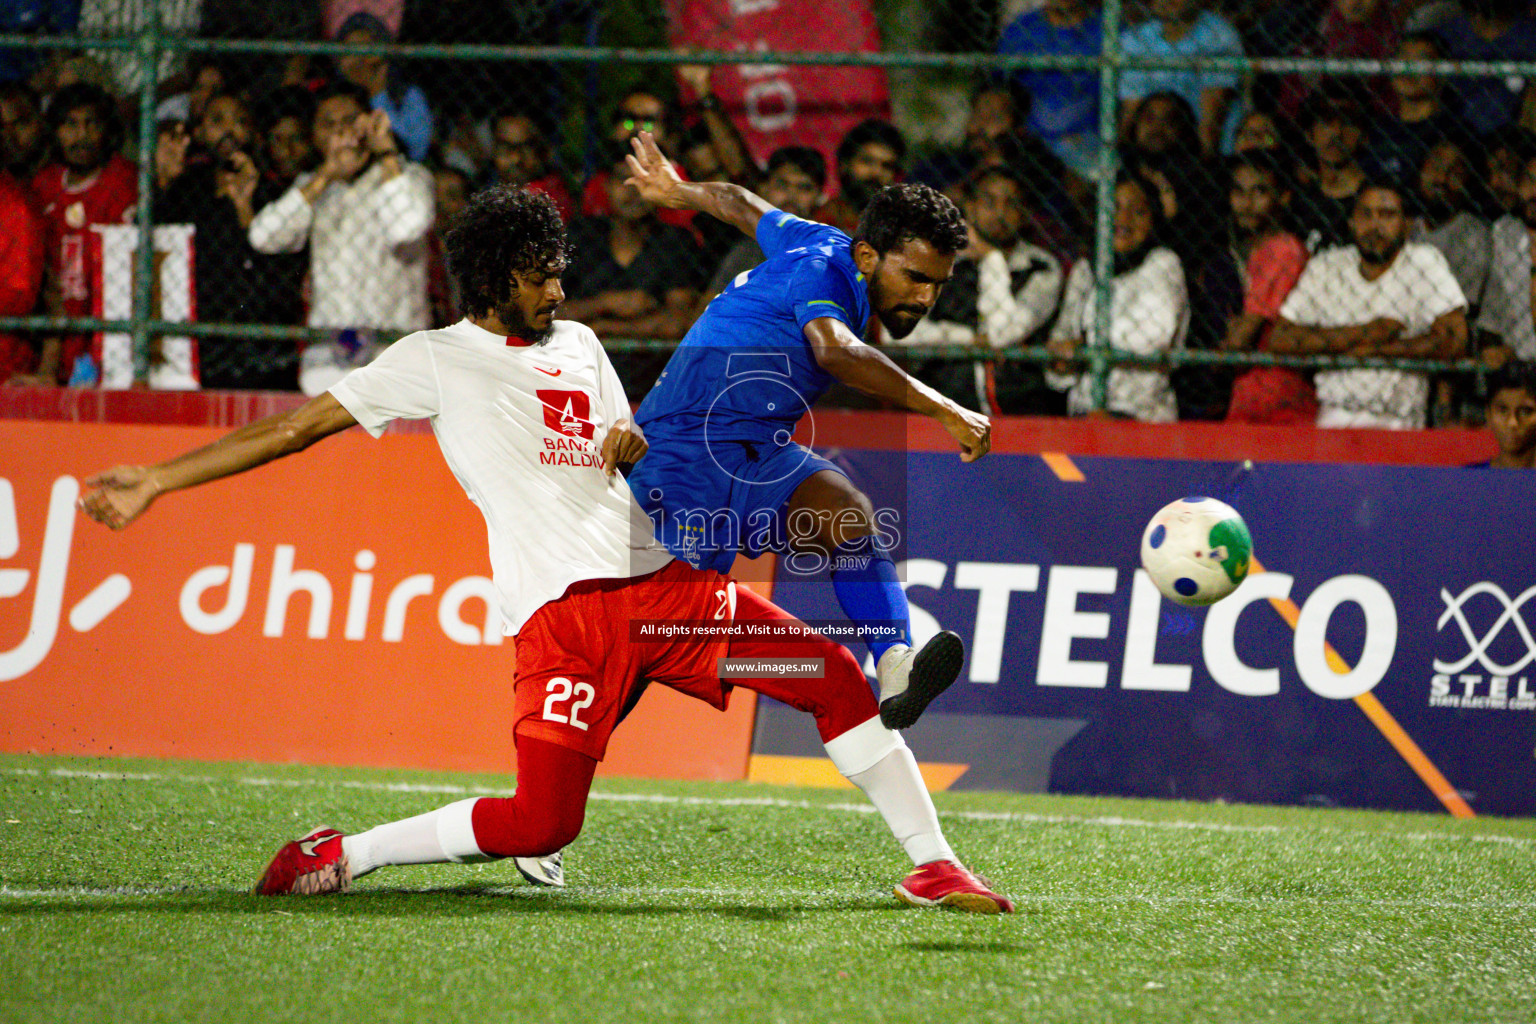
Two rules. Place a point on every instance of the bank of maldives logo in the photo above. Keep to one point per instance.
(567, 412)
(1498, 668)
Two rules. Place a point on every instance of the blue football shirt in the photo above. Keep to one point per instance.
(745, 372)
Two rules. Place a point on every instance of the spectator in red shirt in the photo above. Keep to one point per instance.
(22, 251)
(639, 110)
(23, 135)
(1272, 259)
(521, 157)
(92, 184)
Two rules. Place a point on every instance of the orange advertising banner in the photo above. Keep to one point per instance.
(333, 607)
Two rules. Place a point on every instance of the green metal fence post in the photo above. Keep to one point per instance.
(1104, 204)
(143, 292)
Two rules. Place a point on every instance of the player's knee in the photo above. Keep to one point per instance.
(848, 699)
(525, 826)
(553, 836)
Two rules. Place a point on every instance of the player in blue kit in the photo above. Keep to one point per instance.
(723, 474)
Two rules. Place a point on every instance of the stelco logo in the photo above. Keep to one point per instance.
(1498, 685)
(283, 583)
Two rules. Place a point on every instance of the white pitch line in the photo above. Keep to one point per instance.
(779, 892)
(1100, 821)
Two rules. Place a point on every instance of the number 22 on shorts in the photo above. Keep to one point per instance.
(561, 690)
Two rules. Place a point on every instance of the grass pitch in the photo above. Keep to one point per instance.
(123, 898)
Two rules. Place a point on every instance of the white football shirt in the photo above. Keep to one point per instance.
(522, 428)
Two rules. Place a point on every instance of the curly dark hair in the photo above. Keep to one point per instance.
(503, 230)
(900, 213)
(872, 130)
(83, 94)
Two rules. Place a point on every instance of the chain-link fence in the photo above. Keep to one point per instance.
(1255, 211)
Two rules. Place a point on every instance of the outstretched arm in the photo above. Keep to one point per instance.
(653, 176)
(120, 495)
(867, 368)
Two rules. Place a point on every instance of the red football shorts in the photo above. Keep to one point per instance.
(578, 664)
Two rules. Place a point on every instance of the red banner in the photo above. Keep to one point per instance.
(330, 608)
(777, 105)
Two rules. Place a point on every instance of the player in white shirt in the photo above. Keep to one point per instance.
(1382, 296)
(533, 422)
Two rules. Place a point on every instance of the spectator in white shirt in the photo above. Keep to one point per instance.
(1507, 301)
(1381, 296)
(1149, 312)
(1004, 291)
(365, 214)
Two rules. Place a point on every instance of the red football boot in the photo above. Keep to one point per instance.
(313, 864)
(946, 883)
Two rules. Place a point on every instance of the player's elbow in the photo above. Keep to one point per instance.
(832, 356)
(292, 435)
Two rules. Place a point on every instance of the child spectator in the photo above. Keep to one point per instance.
(1512, 416)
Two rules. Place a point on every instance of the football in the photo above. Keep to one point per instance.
(1196, 550)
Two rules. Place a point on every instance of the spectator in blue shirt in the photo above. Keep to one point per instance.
(406, 105)
(1181, 28)
(1489, 30)
(1064, 112)
(33, 18)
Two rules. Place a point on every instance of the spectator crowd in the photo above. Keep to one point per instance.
(1291, 214)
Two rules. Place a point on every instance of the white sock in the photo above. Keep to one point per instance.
(877, 760)
(446, 834)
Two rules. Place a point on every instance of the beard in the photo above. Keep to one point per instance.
(1381, 253)
(1003, 240)
(899, 320)
(511, 317)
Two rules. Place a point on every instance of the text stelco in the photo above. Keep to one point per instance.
(1062, 622)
